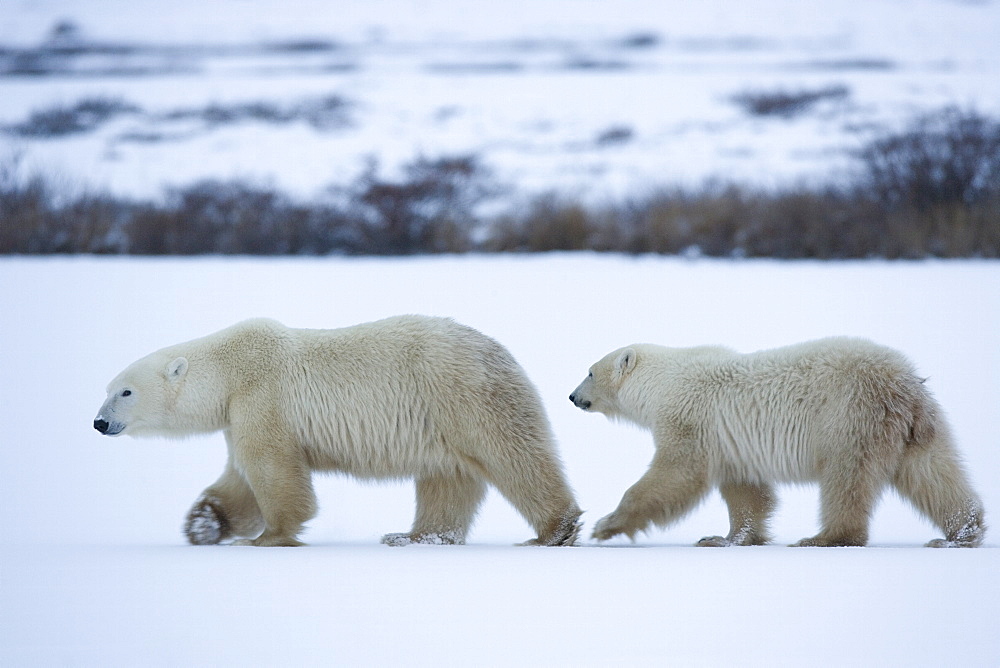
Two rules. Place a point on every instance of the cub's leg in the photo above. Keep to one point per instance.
(446, 508)
(750, 508)
(224, 510)
(848, 493)
(673, 485)
(931, 477)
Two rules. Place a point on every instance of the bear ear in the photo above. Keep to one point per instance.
(177, 368)
(625, 362)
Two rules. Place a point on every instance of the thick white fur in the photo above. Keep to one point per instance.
(406, 397)
(847, 413)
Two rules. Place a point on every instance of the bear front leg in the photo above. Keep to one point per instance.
(224, 510)
(669, 489)
(750, 508)
(282, 486)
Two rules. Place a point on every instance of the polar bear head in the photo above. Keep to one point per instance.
(600, 390)
(140, 398)
(161, 395)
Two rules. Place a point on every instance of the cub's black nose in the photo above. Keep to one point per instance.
(101, 425)
(572, 398)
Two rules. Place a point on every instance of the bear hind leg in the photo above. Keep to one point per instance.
(931, 477)
(446, 507)
(750, 508)
(848, 494)
(538, 490)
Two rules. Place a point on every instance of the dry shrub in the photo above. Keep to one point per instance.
(932, 190)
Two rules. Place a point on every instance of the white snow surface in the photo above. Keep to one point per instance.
(94, 570)
(531, 88)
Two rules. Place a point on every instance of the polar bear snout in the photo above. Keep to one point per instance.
(579, 402)
(108, 428)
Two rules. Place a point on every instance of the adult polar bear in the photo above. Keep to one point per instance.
(846, 412)
(406, 397)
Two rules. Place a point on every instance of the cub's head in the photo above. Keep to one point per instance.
(143, 399)
(600, 390)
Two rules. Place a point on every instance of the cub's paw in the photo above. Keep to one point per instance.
(269, 541)
(206, 523)
(816, 541)
(610, 526)
(944, 542)
(740, 538)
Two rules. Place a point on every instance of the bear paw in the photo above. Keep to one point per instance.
(566, 533)
(400, 539)
(944, 542)
(206, 522)
(816, 541)
(269, 541)
(714, 541)
(609, 527)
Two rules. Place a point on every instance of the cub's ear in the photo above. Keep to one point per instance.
(625, 362)
(177, 368)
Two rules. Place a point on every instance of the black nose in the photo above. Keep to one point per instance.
(572, 398)
(101, 426)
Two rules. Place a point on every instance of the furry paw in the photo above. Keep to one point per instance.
(816, 541)
(740, 538)
(206, 522)
(445, 538)
(608, 527)
(565, 539)
(272, 541)
(944, 542)
(565, 534)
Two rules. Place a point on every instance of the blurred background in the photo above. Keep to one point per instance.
(774, 128)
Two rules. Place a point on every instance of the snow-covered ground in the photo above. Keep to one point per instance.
(582, 96)
(94, 570)
(591, 98)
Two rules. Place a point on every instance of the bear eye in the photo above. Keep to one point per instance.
(126, 393)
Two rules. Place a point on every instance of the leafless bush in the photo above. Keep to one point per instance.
(430, 210)
(86, 115)
(234, 218)
(787, 104)
(546, 223)
(323, 113)
(950, 157)
(932, 190)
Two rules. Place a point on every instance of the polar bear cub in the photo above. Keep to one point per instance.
(406, 397)
(847, 413)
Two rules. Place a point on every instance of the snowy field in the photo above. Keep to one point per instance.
(582, 96)
(94, 570)
(591, 98)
